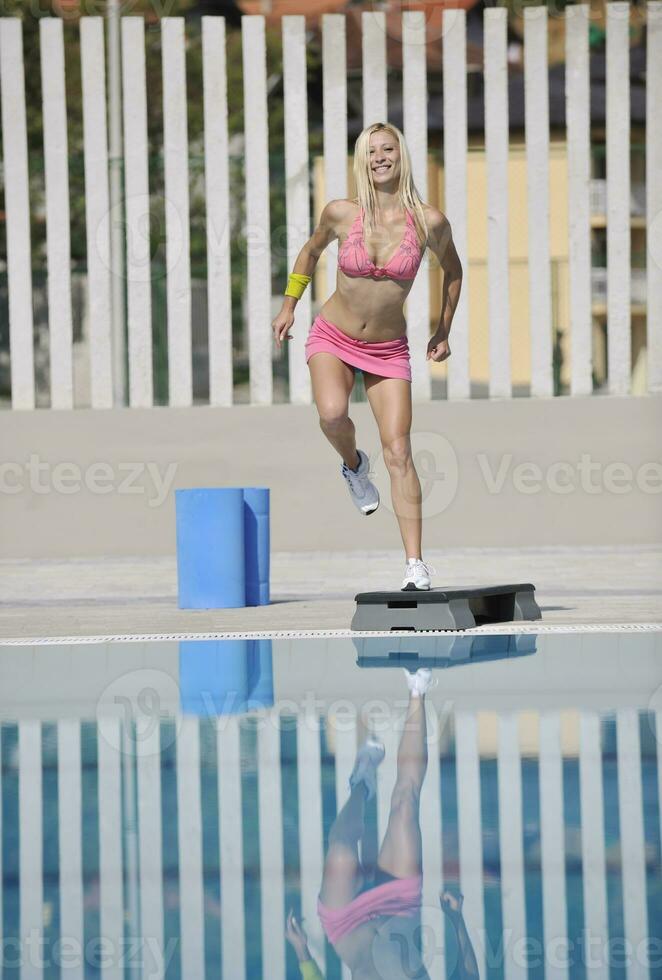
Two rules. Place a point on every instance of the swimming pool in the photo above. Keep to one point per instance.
(164, 804)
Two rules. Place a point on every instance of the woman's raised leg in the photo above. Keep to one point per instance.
(332, 382)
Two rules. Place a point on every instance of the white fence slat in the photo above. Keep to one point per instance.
(552, 840)
(334, 97)
(70, 838)
(148, 778)
(130, 839)
(56, 176)
(97, 209)
(578, 124)
(272, 869)
(631, 822)
(137, 204)
(117, 242)
(536, 90)
(470, 836)
(111, 900)
(345, 754)
(17, 209)
(654, 193)
(594, 878)
(415, 128)
(618, 197)
(217, 191)
(297, 191)
(30, 847)
(511, 843)
(258, 279)
(231, 849)
(2, 935)
(311, 845)
(175, 165)
(496, 156)
(374, 73)
(189, 835)
(454, 66)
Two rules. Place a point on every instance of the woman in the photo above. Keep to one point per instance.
(382, 235)
(372, 915)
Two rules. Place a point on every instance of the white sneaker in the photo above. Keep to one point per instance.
(364, 493)
(417, 575)
(368, 758)
(419, 682)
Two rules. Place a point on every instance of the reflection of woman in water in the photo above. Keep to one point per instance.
(357, 907)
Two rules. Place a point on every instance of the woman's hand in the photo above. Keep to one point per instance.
(281, 325)
(438, 349)
(297, 938)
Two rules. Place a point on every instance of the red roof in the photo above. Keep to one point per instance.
(273, 10)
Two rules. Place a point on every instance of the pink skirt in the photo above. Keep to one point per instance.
(388, 358)
(399, 897)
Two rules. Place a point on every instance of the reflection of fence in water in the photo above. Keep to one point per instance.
(213, 759)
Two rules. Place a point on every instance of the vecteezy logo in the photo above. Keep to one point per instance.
(413, 27)
(142, 229)
(131, 708)
(413, 946)
(438, 472)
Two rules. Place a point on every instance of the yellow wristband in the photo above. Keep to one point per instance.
(310, 970)
(296, 284)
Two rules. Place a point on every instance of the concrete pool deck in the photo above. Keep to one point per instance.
(315, 590)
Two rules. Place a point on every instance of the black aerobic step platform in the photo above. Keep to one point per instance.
(445, 608)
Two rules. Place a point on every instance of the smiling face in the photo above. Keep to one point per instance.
(384, 157)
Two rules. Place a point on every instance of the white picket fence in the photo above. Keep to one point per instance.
(100, 217)
(132, 860)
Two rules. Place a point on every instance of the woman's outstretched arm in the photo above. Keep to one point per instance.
(304, 266)
(467, 965)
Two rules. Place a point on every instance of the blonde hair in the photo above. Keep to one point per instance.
(365, 187)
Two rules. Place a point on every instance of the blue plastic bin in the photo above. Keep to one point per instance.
(222, 547)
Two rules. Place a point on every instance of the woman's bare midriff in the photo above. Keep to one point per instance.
(368, 309)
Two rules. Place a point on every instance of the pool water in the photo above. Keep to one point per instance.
(164, 804)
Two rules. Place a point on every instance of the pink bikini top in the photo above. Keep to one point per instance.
(354, 261)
